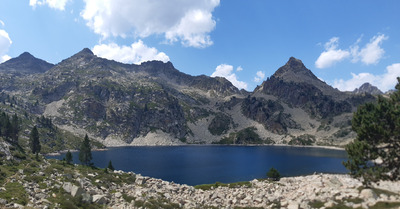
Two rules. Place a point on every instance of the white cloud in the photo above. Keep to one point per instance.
(2, 23)
(371, 53)
(54, 4)
(225, 71)
(331, 55)
(187, 21)
(238, 69)
(135, 53)
(259, 76)
(384, 82)
(5, 43)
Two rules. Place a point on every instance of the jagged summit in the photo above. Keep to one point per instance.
(25, 63)
(368, 88)
(86, 51)
(294, 70)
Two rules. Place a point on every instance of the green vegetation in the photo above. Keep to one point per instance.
(273, 174)
(219, 184)
(374, 155)
(68, 157)
(16, 192)
(305, 139)
(34, 141)
(220, 124)
(85, 152)
(244, 136)
(110, 166)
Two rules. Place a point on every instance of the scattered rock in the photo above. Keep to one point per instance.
(76, 191)
(367, 194)
(100, 199)
(67, 186)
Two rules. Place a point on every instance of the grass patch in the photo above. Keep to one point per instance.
(14, 192)
(219, 184)
(381, 205)
(128, 198)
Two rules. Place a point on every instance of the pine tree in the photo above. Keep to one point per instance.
(274, 174)
(68, 157)
(110, 166)
(14, 129)
(34, 140)
(85, 152)
(374, 155)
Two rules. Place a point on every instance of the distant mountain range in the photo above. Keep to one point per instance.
(154, 103)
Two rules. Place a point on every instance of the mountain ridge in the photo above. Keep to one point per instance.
(154, 103)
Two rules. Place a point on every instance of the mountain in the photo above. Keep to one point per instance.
(299, 87)
(25, 64)
(154, 103)
(367, 88)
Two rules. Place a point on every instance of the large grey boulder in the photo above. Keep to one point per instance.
(67, 186)
(76, 191)
(100, 199)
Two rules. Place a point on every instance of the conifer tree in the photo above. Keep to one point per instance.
(68, 157)
(110, 166)
(374, 155)
(14, 129)
(85, 152)
(34, 141)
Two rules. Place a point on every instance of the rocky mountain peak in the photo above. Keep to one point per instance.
(367, 88)
(26, 55)
(86, 51)
(25, 63)
(294, 70)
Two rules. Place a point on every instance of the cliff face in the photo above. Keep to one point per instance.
(120, 104)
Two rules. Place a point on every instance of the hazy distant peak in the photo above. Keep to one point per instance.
(26, 55)
(367, 88)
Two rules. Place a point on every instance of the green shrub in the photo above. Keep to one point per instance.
(273, 174)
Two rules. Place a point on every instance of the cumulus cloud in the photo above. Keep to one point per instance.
(384, 82)
(189, 21)
(331, 55)
(226, 71)
(54, 4)
(239, 68)
(259, 76)
(5, 43)
(371, 53)
(135, 53)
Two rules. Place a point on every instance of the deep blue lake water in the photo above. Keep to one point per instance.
(194, 165)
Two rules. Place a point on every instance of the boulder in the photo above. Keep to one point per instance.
(367, 194)
(76, 191)
(87, 198)
(100, 199)
(67, 186)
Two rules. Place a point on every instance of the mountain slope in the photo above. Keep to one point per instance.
(154, 103)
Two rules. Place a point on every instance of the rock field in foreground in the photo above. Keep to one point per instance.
(313, 191)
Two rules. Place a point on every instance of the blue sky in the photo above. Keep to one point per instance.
(345, 43)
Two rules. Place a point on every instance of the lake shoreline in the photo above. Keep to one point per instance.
(194, 145)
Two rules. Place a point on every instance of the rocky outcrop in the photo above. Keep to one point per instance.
(269, 113)
(369, 89)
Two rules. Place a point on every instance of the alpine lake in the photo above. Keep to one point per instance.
(206, 164)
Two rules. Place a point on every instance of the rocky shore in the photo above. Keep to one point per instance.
(128, 190)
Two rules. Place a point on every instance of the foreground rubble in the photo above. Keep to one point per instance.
(58, 185)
